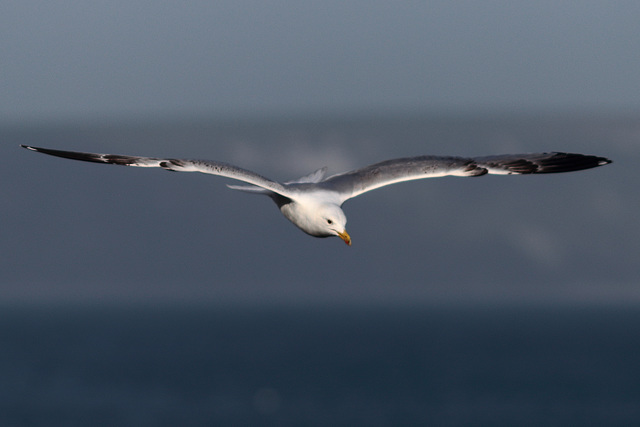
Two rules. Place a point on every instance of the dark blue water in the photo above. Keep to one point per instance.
(319, 367)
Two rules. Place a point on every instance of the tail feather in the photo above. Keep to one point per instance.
(249, 189)
(313, 177)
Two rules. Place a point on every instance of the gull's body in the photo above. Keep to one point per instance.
(313, 202)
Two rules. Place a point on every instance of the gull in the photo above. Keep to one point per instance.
(314, 202)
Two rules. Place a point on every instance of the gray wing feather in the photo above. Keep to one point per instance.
(354, 183)
(178, 165)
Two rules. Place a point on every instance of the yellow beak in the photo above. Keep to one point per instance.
(345, 236)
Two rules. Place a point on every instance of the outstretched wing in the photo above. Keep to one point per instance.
(354, 183)
(179, 165)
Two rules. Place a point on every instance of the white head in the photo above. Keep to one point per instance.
(320, 220)
(334, 221)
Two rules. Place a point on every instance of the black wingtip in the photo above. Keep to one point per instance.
(74, 155)
(569, 162)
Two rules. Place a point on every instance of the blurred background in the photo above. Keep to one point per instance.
(139, 297)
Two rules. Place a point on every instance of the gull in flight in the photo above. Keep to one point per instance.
(313, 202)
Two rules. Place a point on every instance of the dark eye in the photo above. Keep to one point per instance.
(329, 221)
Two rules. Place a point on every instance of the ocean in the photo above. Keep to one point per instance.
(320, 366)
(141, 298)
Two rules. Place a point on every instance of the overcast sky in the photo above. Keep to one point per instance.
(75, 231)
(73, 59)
